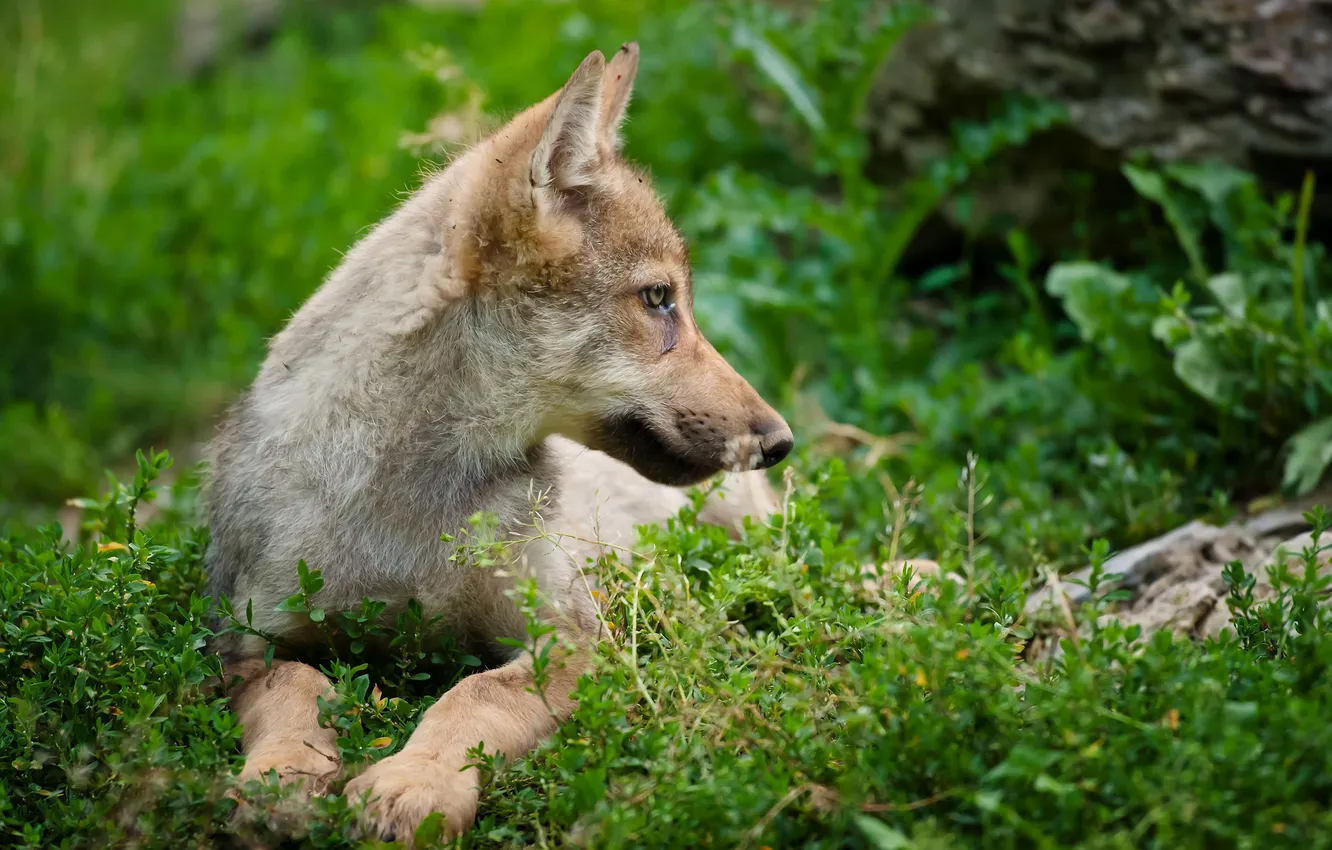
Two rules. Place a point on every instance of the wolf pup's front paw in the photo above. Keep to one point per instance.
(297, 763)
(404, 789)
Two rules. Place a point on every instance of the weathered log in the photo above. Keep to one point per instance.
(1245, 82)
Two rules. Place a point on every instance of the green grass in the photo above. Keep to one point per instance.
(156, 230)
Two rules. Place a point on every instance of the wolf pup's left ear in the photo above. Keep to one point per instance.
(566, 155)
(618, 86)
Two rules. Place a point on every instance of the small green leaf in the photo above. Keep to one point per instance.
(312, 581)
(1309, 458)
(1046, 782)
(429, 832)
(1238, 711)
(1088, 291)
(1197, 368)
(942, 277)
(783, 73)
(294, 604)
(1230, 293)
(1170, 330)
(1152, 186)
(1213, 181)
(881, 835)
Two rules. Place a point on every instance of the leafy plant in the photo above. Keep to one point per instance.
(832, 269)
(1252, 340)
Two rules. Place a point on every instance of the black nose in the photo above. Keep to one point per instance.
(775, 452)
(775, 442)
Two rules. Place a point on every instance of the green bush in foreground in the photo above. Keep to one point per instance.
(760, 693)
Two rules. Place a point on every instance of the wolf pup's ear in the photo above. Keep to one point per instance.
(566, 155)
(617, 87)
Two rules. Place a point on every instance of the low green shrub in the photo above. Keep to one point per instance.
(760, 692)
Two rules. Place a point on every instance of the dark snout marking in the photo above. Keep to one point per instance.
(632, 439)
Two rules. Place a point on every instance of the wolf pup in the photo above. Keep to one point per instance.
(533, 291)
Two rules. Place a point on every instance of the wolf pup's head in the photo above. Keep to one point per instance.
(575, 240)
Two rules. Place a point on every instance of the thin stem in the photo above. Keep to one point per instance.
(1297, 273)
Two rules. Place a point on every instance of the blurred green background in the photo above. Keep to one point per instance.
(159, 220)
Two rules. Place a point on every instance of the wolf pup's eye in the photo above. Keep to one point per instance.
(658, 297)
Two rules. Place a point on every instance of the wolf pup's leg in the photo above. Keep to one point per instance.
(499, 708)
(279, 711)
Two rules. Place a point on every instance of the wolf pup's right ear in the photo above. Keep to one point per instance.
(566, 155)
(618, 86)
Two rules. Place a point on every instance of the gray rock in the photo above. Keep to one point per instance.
(1175, 581)
(1147, 562)
(1282, 521)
